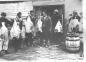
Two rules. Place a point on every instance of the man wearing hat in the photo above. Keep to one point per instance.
(55, 18)
(46, 28)
(75, 15)
(19, 19)
(74, 22)
(17, 42)
(4, 22)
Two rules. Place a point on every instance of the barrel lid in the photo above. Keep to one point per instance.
(72, 35)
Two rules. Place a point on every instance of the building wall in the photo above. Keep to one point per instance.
(71, 5)
(13, 8)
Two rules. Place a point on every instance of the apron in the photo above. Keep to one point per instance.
(73, 23)
(15, 30)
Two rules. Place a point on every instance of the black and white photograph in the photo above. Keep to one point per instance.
(41, 30)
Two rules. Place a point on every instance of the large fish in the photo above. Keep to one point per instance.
(28, 25)
(39, 25)
(15, 30)
(58, 27)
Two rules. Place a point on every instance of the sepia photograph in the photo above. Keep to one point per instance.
(41, 30)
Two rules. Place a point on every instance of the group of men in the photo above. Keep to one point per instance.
(47, 26)
(42, 25)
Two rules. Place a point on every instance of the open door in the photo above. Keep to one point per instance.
(50, 9)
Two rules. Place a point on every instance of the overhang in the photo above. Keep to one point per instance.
(49, 2)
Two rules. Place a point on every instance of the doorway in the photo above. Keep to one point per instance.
(57, 38)
(50, 8)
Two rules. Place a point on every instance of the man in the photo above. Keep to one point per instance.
(17, 26)
(28, 25)
(33, 17)
(74, 22)
(19, 19)
(56, 17)
(46, 27)
(4, 22)
(4, 19)
(75, 15)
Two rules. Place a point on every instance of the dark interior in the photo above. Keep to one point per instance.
(50, 8)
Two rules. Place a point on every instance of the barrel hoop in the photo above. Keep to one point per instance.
(73, 37)
(73, 47)
(73, 40)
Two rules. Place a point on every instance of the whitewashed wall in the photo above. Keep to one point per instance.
(71, 5)
(13, 8)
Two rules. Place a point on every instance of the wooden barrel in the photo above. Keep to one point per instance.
(72, 42)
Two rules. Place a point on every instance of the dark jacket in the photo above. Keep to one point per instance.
(55, 18)
(2, 19)
(47, 24)
(20, 22)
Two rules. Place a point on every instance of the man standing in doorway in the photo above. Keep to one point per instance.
(55, 18)
(47, 27)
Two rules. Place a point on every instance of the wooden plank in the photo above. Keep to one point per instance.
(13, 8)
(48, 2)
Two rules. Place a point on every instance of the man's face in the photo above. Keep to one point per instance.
(19, 15)
(74, 13)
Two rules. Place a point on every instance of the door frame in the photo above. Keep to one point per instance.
(63, 12)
